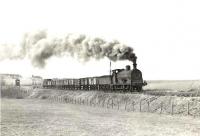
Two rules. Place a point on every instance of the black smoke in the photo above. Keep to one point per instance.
(39, 47)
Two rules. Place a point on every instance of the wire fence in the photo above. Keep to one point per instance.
(153, 104)
(190, 108)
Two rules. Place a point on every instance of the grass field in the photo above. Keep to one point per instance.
(173, 85)
(35, 117)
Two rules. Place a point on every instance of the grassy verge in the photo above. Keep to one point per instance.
(136, 102)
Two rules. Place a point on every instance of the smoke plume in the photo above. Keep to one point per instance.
(39, 47)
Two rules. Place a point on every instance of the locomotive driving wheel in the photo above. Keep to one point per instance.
(139, 88)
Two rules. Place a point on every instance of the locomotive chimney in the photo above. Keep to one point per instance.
(134, 63)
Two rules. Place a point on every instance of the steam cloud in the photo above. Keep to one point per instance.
(38, 47)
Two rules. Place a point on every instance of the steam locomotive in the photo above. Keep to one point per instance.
(120, 80)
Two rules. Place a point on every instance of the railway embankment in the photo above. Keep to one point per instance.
(131, 102)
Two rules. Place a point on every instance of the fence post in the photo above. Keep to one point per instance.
(103, 103)
(172, 108)
(60, 98)
(65, 99)
(108, 103)
(125, 105)
(148, 105)
(133, 104)
(90, 102)
(188, 108)
(118, 105)
(112, 103)
(99, 102)
(94, 102)
(140, 105)
(161, 107)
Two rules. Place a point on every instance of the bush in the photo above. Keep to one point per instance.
(19, 97)
(44, 97)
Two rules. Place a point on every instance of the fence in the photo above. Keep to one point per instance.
(187, 108)
(153, 105)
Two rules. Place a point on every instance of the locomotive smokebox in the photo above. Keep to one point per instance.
(128, 67)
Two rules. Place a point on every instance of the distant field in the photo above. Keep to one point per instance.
(173, 85)
(34, 117)
(186, 88)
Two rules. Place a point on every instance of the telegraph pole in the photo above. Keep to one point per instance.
(110, 69)
(1, 84)
(111, 73)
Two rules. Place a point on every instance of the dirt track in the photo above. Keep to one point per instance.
(33, 117)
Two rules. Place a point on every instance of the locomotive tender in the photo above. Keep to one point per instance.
(120, 80)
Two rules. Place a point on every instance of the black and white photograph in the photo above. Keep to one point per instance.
(100, 67)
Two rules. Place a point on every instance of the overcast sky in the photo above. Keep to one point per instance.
(165, 34)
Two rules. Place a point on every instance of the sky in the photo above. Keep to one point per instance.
(165, 35)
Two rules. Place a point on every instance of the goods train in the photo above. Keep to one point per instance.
(31, 81)
(120, 80)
